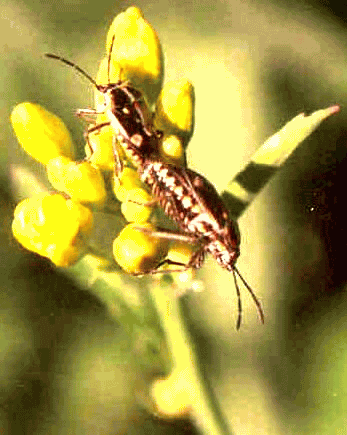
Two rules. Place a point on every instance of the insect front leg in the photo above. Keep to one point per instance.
(92, 130)
(87, 114)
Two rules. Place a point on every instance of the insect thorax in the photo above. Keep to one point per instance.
(127, 120)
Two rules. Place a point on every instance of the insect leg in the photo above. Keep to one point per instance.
(195, 262)
(98, 127)
(169, 235)
(144, 204)
(87, 114)
(91, 130)
(183, 268)
(118, 167)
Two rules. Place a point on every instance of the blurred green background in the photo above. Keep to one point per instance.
(65, 365)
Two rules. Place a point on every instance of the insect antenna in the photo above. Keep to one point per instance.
(109, 63)
(239, 317)
(73, 65)
(109, 60)
(255, 299)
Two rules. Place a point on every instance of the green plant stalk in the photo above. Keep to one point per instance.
(204, 408)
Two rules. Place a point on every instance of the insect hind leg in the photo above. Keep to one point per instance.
(156, 270)
(195, 262)
(169, 235)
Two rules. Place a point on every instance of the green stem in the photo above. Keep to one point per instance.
(205, 410)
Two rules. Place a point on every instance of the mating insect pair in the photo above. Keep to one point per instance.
(184, 195)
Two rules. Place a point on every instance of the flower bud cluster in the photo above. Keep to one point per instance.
(57, 225)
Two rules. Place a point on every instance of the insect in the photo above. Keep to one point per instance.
(127, 112)
(194, 204)
(184, 195)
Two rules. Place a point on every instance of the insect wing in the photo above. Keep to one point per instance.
(207, 197)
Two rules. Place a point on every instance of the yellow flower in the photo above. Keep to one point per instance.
(172, 150)
(137, 59)
(53, 226)
(171, 395)
(128, 180)
(138, 252)
(137, 50)
(99, 150)
(135, 208)
(41, 133)
(80, 180)
(175, 109)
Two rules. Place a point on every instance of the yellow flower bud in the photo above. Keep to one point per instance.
(41, 133)
(128, 180)
(136, 48)
(53, 226)
(171, 395)
(172, 150)
(137, 251)
(80, 180)
(134, 208)
(175, 109)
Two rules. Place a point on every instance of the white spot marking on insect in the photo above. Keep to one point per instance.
(179, 191)
(170, 181)
(186, 201)
(146, 176)
(196, 209)
(157, 166)
(162, 173)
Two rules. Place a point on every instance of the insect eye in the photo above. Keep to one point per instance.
(197, 182)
